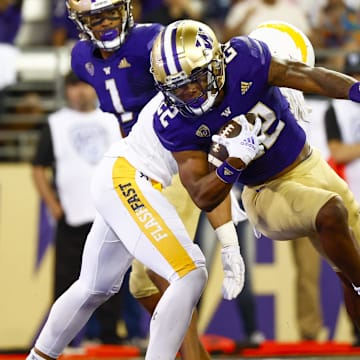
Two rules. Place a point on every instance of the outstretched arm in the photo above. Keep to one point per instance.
(316, 80)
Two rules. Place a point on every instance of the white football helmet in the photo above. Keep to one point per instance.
(288, 42)
(88, 13)
(285, 41)
(185, 52)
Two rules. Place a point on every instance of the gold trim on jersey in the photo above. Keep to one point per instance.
(148, 219)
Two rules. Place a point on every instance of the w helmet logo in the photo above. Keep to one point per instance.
(204, 40)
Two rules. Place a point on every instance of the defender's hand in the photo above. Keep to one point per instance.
(234, 271)
(247, 144)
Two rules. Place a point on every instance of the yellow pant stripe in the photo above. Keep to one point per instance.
(148, 219)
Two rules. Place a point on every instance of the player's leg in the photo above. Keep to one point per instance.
(310, 201)
(191, 347)
(163, 245)
(146, 290)
(347, 233)
(338, 222)
(104, 263)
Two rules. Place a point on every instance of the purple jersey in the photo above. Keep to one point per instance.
(246, 90)
(123, 82)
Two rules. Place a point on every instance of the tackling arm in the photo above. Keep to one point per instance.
(206, 189)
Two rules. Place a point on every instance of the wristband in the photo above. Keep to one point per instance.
(227, 235)
(228, 174)
(354, 92)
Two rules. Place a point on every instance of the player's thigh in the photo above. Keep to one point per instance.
(327, 178)
(286, 209)
(144, 220)
(341, 187)
(181, 200)
(140, 283)
(105, 259)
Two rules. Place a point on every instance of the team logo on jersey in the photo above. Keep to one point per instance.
(107, 70)
(89, 141)
(245, 86)
(203, 131)
(226, 112)
(124, 64)
(90, 68)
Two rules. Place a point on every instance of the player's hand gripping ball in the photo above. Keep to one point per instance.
(218, 153)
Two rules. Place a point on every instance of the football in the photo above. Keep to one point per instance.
(218, 153)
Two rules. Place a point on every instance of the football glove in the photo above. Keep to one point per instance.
(246, 144)
(234, 271)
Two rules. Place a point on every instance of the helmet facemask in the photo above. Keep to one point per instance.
(87, 17)
(188, 67)
(206, 81)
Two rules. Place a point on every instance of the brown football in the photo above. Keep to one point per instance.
(218, 153)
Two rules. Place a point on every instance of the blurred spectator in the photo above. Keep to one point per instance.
(336, 27)
(64, 30)
(342, 122)
(215, 14)
(30, 104)
(245, 15)
(172, 10)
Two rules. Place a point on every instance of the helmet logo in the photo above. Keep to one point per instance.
(204, 40)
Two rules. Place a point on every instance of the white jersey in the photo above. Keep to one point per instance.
(143, 149)
(144, 152)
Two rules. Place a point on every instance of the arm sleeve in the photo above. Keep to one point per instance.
(331, 125)
(44, 153)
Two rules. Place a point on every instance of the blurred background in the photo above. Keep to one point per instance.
(36, 38)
